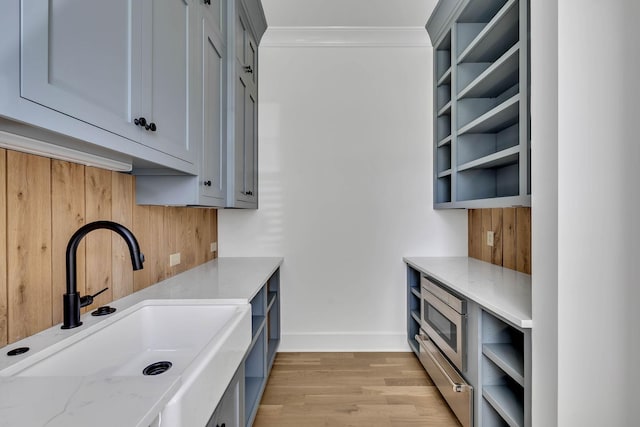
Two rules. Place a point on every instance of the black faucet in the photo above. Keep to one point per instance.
(71, 300)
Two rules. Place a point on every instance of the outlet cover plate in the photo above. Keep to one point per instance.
(174, 259)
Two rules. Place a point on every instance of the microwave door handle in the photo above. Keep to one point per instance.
(430, 350)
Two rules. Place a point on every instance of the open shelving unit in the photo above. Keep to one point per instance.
(481, 106)
(265, 338)
(505, 372)
(413, 308)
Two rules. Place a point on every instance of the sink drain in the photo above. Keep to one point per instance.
(157, 368)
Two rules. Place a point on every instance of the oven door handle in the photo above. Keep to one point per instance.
(457, 384)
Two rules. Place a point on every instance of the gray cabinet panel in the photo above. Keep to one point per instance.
(166, 75)
(77, 58)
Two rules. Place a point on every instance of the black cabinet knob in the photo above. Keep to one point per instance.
(248, 69)
(207, 1)
(151, 126)
(141, 121)
(207, 183)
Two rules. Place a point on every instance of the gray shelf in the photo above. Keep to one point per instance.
(271, 299)
(446, 78)
(444, 173)
(445, 110)
(502, 158)
(506, 403)
(416, 315)
(445, 141)
(508, 358)
(498, 118)
(416, 292)
(257, 323)
(495, 79)
(481, 11)
(496, 37)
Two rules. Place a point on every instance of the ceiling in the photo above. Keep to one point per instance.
(348, 13)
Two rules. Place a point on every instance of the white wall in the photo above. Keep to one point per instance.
(598, 154)
(345, 189)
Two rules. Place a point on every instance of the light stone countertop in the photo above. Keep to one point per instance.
(500, 290)
(120, 401)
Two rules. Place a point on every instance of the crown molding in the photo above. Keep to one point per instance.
(346, 37)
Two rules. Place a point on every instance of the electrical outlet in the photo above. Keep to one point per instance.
(174, 259)
(214, 246)
(489, 238)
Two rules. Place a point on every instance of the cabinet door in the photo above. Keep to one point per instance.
(214, 13)
(88, 77)
(246, 142)
(212, 173)
(165, 75)
(246, 135)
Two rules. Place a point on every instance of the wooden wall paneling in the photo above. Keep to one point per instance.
(159, 252)
(173, 230)
(3, 251)
(28, 244)
(186, 237)
(122, 191)
(201, 235)
(486, 226)
(98, 243)
(523, 240)
(142, 231)
(509, 238)
(148, 223)
(475, 230)
(67, 215)
(213, 232)
(496, 226)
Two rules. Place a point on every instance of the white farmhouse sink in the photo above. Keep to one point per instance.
(203, 341)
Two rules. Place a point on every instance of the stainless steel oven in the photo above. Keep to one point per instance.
(442, 341)
(443, 318)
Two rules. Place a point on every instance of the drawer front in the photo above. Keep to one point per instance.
(454, 389)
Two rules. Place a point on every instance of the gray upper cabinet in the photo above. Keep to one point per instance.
(481, 103)
(226, 119)
(242, 158)
(104, 72)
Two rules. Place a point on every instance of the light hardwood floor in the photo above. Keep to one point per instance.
(351, 389)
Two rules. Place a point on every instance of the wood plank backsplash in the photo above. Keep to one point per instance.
(511, 237)
(44, 201)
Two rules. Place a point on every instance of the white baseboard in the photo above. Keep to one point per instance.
(351, 341)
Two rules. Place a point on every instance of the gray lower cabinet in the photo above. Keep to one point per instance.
(498, 360)
(115, 74)
(481, 145)
(230, 410)
(505, 373)
(265, 324)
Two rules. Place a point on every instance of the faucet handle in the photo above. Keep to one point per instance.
(88, 299)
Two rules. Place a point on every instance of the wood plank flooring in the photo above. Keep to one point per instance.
(351, 389)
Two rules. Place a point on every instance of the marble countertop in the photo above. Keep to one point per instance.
(500, 290)
(97, 401)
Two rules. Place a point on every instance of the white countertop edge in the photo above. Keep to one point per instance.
(515, 313)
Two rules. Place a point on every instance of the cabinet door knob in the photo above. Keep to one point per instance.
(248, 193)
(207, 183)
(151, 126)
(207, 1)
(248, 69)
(140, 121)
